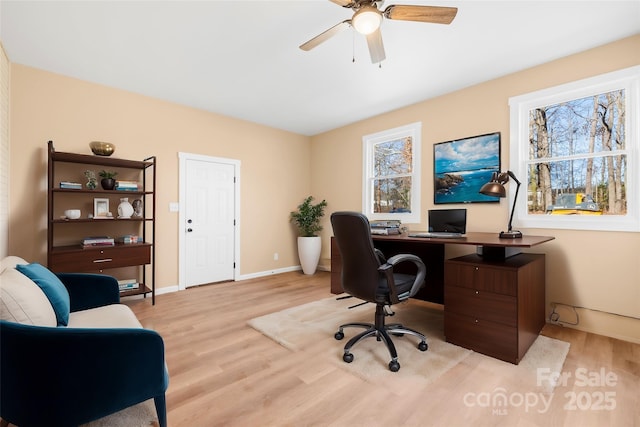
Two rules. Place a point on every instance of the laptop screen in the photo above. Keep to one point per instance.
(448, 220)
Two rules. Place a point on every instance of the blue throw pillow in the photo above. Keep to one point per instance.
(52, 287)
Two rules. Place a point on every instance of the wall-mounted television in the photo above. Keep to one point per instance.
(462, 166)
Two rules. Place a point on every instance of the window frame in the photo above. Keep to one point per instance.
(413, 130)
(627, 79)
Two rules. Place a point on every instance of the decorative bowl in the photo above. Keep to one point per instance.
(100, 148)
(72, 213)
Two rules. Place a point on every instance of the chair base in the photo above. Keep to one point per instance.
(382, 332)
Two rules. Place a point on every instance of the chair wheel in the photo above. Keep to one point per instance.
(394, 366)
(347, 357)
(338, 335)
(423, 346)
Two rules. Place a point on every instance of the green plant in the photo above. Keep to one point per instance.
(107, 174)
(307, 217)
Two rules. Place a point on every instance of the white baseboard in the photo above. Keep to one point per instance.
(175, 288)
(167, 290)
(268, 272)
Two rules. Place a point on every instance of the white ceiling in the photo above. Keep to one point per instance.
(241, 58)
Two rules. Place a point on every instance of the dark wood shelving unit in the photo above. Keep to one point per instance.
(65, 257)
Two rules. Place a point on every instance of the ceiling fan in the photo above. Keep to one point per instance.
(367, 20)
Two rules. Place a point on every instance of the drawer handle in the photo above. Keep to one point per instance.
(476, 320)
(103, 260)
(477, 292)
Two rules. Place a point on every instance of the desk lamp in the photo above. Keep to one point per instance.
(495, 188)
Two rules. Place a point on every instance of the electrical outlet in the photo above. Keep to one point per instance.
(275, 256)
(174, 207)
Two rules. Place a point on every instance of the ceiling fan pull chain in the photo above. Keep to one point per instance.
(353, 47)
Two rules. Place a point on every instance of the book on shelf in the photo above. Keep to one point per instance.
(98, 239)
(71, 185)
(95, 245)
(89, 242)
(129, 239)
(127, 185)
(128, 284)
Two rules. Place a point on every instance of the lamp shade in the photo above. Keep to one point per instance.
(494, 189)
(366, 20)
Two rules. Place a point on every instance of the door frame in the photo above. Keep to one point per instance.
(183, 158)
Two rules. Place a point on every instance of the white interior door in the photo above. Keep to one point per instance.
(208, 221)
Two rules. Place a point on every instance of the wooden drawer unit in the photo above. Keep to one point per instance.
(483, 278)
(494, 307)
(71, 259)
(482, 305)
(486, 337)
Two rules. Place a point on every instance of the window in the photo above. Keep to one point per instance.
(576, 147)
(391, 177)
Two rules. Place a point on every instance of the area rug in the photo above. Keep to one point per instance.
(140, 415)
(311, 327)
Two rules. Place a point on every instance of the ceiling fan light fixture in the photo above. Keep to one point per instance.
(366, 20)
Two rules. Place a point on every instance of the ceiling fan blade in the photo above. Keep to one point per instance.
(376, 48)
(432, 14)
(322, 37)
(343, 3)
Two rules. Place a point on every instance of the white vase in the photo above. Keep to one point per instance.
(309, 253)
(125, 210)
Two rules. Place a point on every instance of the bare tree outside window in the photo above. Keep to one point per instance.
(577, 157)
(392, 176)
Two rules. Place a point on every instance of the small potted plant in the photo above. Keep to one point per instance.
(108, 179)
(307, 219)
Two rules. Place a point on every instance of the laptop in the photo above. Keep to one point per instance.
(445, 224)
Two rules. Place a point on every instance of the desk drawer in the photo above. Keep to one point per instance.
(482, 305)
(481, 277)
(490, 338)
(95, 259)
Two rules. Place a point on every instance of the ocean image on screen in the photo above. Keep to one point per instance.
(463, 166)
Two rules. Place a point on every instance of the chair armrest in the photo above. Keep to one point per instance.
(74, 375)
(387, 270)
(88, 290)
(380, 255)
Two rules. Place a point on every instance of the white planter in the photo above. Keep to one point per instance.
(309, 253)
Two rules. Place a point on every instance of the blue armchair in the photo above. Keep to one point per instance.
(70, 375)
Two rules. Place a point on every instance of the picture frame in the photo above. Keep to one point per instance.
(461, 167)
(101, 208)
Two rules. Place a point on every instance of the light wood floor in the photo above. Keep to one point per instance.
(224, 373)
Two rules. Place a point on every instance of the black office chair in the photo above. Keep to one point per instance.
(368, 276)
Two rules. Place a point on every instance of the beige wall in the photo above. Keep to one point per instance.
(598, 270)
(274, 164)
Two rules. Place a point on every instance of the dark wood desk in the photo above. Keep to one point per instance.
(493, 304)
(431, 251)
